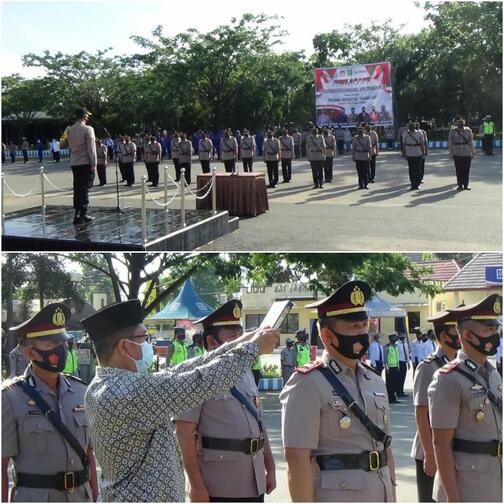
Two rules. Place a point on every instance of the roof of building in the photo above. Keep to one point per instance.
(472, 275)
(442, 271)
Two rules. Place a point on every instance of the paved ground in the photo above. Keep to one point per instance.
(338, 217)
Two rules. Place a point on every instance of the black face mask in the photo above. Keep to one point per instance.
(424, 339)
(454, 342)
(346, 344)
(487, 345)
(53, 360)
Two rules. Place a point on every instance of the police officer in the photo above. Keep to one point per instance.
(227, 456)
(316, 153)
(101, 161)
(180, 348)
(81, 142)
(175, 154)
(286, 155)
(197, 348)
(302, 348)
(288, 357)
(44, 427)
(152, 156)
(248, 150)
(488, 135)
(461, 150)
(17, 361)
(375, 150)
(423, 449)
(119, 156)
(375, 354)
(361, 153)
(391, 357)
(413, 144)
(330, 143)
(205, 151)
(465, 408)
(422, 128)
(229, 151)
(404, 362)
(297, 137)
(24, 149)
(185, 158)
(335, 414)
(271, 151)
(72, 361)
(128, 159)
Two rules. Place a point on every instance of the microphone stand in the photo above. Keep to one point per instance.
(118, 207)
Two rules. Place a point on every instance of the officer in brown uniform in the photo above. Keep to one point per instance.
(330, 143)
(421, 127)
(361, 154)
(229, 151)
(465, 408)
(423, 449)
(81, 142)
(461, 150)
(286, 155)
(248, 150)
(375, 149)
(185, 158)
(24, 148)
(44, 427)
(101, 161)
(316, 153)
(128, 159)
(175, 154)
(414, 149)
(205, 151)
(271, 150)
(335, 413)
(119, 156)
(224, 443)
(152, 154)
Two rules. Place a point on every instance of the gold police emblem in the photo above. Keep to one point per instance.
(357, 297)
(479, 416)
(345, 422)
(58, 318)
(497, 307)
(236, 311)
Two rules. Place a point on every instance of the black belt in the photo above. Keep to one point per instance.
(413, 145)
(367, 460)
(60, 481)
(493, 448)
(249, 446)
(462, 143)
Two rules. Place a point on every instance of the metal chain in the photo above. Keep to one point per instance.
(53, 186)
(169, 202)
(16, 194)
(203, 188)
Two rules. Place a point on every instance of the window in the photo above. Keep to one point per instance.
(253, 321)
(291, 324)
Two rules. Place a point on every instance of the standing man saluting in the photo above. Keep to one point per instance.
(414, 149)
(461, 150)
(81, 142)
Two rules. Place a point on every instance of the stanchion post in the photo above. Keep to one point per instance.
(182, 197)
(144, 210)
(42, 192)
(3, 192)
(165, 183)
(214, 190)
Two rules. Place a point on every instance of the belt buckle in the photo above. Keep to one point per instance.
(69, 486)
(374, 460)
(254, 446)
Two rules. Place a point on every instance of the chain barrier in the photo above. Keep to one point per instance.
(168, 203)
(210, 183)
(29, 193)
(53, 186)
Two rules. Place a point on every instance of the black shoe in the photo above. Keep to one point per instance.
(315, 187)
(86, 218)
(467, 188)
(103, 183)
(153, 185)
(412, 188)
(394, 401)
(372, 181)
(459, 188)
(285, 182)
(403, 395)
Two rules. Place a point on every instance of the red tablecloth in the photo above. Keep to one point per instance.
(243, 194)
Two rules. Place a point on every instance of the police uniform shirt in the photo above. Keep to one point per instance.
(460, 142)
(32, 441)
(17, 361)
(229, 473)
(297, 138)
(175, 148)
(271, 149)
(423, 377)
(153, 152)
(129, 418)
(205, 149)
(24, 145)
(374, 142)
(412, 142)
(454, 403)
(185, 151)
(82, 145)
(129, 152)
(360, 147)
(288, 357)
(247, 147)
(315, 148)
(101, 155)
(120, 150)
(375, 353)
(286, 146)
(229, 148)
(311, 414)
(330, 143)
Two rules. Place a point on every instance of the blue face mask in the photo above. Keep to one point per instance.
(143, 364)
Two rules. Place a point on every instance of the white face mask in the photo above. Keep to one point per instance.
(143, 364)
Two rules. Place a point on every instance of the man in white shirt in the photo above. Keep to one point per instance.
(404, 362)
(415, 350)
(375, 354)
(55, 149)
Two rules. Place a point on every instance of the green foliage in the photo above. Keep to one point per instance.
(270, 371)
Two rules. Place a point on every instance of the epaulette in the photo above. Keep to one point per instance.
(73, 377)
(448, 368)
(309, 367)
(6, 384)
(429, 358)
(370, 368)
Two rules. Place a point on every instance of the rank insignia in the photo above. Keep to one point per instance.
(345, 422)
(78, 408)
(479, 416)
(58, 318)
(357, 297)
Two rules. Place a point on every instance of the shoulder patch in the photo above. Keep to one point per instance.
(6, 384)
(429, 358)
(370, 368)
(309, 367)
(76, 378)
(448, 368)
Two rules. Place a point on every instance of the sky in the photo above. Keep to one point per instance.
(74, 26)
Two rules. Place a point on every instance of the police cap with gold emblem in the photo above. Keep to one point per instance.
(113, 318)
(346, 303)
(443, 318)
(487, 311)
(48, 323)
(228, 314)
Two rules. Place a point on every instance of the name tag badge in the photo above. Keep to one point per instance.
(379, 394)
(479, 393)
(78, 408)
(35, 412)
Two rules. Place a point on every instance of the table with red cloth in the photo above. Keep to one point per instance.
(243, 194)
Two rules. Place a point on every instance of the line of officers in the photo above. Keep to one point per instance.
(335, 416)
